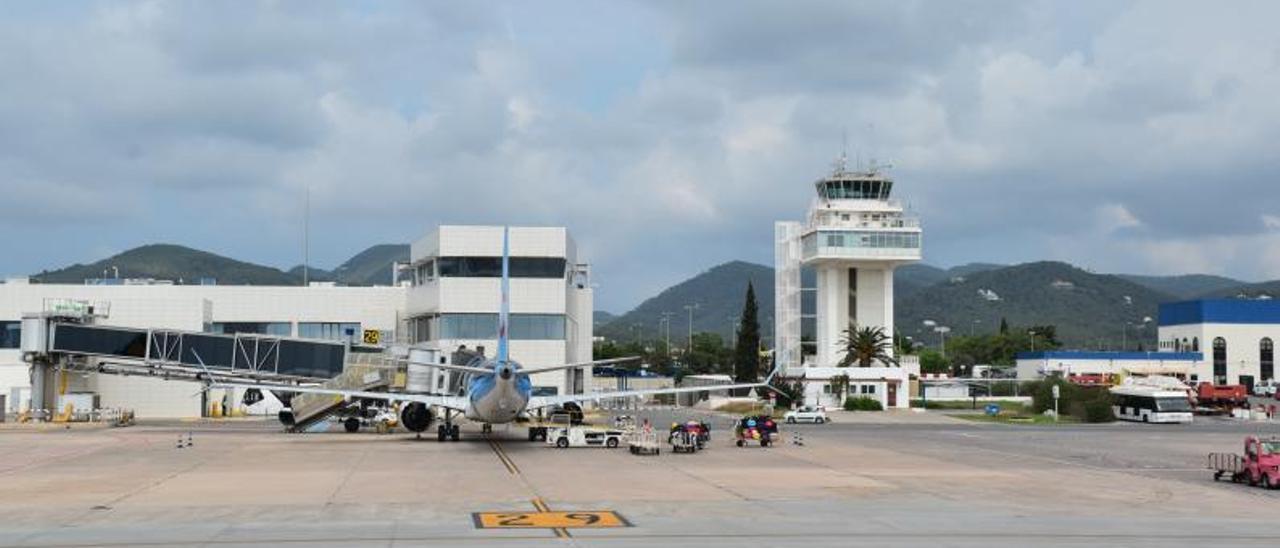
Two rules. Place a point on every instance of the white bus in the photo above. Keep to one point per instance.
(1150, 404)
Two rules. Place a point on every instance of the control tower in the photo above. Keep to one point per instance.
(854, 236)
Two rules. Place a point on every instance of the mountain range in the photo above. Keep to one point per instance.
(1090, 310)
(185, 265)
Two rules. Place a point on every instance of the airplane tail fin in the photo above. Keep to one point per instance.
(504, 313)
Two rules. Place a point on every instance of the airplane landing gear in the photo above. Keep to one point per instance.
(487, 428)
(448, 430)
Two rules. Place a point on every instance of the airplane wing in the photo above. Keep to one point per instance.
(457, 403)
(535, 370)
(458, 368)
(550, 401)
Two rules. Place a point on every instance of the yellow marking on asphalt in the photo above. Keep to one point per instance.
(541, 505)
(558, 521)
(506, 460)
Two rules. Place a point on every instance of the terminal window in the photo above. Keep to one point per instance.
(10, 334)
(491, 267)
(277, 329)
(524, 327)
(331, 331)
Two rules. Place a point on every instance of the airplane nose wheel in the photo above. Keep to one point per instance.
(487, 428)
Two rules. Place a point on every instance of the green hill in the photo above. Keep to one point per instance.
(718, 292)
(171, 262)
(371, 266)
(1186, 286)
(1252, 291)
(1085, 307)
(600, 317)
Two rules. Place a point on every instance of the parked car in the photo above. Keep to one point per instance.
(1265, 388)
(809, 413)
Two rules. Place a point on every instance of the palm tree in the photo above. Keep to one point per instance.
(865, 345)
(838, 385)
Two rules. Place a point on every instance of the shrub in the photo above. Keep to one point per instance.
(1089, 404)
(1098, 410)
(862, 404)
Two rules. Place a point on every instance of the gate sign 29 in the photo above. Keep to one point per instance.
(372, 336)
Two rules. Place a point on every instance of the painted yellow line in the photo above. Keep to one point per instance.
(502, 456)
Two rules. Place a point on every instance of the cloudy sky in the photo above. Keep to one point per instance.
(668, 136)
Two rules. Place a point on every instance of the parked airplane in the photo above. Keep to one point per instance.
(498, 390)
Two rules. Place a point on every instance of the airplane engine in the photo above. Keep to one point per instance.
(416, 417)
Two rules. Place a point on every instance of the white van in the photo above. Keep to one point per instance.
(1265, 388)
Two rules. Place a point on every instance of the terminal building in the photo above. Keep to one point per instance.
(1224, 341)
(448, 297)
(854, 236)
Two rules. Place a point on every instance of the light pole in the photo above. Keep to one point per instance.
(690, 308)
(942, 331)
(1032, 332)
(666, 317)
(639, 333)
(973, 325)
(733, 331)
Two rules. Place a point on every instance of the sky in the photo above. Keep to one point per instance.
(1136, 137)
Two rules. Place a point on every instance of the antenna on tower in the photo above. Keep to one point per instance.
(842, 164)
(306, 238)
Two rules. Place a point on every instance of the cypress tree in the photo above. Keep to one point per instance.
(746, 355)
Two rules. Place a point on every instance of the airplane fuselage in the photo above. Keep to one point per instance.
(499, 397)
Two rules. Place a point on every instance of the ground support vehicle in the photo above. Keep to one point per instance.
(381, 419)
(1266, 388)
(644, 443)
(684, 441)
(538, 429)
(699, 433)
(1220, 398)
(760, 429)
(582, 436)
(1260, 464)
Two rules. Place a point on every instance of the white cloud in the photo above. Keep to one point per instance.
(667, 136)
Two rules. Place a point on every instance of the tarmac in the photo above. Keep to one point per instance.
(866, 479)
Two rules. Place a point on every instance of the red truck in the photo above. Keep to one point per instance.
(1221, 395)
(1260, 464)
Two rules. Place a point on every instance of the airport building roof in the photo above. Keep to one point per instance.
(1109, 355)
(1238, 311)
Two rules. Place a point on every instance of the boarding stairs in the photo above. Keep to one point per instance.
(307, 410)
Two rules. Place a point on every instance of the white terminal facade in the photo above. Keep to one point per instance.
(449, 298)
(854, 236)
(455, 297)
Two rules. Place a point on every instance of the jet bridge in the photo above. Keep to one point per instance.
(57, 341)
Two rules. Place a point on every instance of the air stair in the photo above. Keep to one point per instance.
(307, 410)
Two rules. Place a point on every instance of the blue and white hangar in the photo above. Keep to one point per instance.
(1224, 341)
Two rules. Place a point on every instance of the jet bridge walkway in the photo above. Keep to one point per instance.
(187, 355)
(58, 341)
